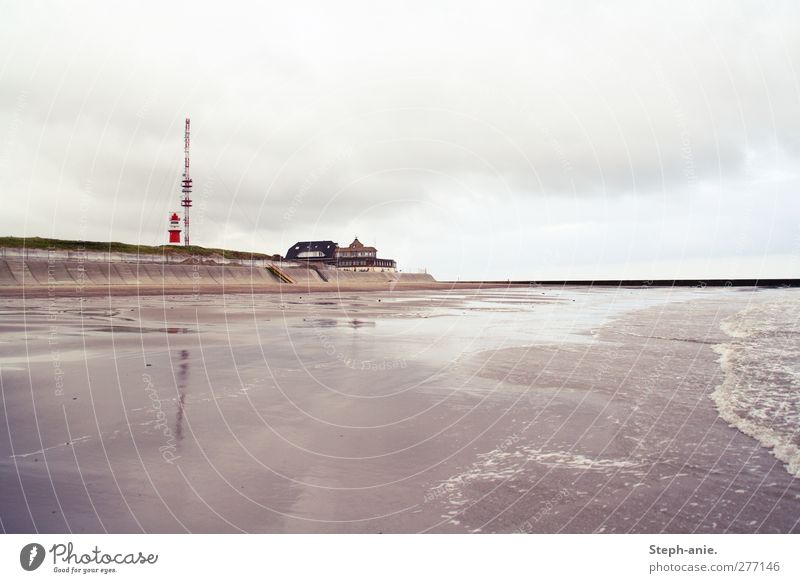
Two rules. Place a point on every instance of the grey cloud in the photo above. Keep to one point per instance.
(318, 118)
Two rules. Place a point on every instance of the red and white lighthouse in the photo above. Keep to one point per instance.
(174, 229)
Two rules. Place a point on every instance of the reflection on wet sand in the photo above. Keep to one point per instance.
(117, 329)
(183, 383)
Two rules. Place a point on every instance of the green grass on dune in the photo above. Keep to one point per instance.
(117, 247)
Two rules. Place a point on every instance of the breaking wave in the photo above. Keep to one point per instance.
(760, 394)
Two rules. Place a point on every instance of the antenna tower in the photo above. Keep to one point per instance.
(186, 188)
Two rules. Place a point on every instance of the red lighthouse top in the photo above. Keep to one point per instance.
(174, 229)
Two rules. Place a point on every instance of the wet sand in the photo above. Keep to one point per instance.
(509, 410)
(205, 289)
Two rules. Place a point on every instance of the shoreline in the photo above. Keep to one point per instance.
(62, 291)
(94, 291)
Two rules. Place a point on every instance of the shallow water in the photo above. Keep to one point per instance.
(760, 395)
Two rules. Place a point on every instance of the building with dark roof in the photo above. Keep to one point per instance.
(354, 257)
(360, 257)
(318, 251)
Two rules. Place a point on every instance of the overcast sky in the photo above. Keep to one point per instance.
(478, 140)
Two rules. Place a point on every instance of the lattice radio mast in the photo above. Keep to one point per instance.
(186, 189)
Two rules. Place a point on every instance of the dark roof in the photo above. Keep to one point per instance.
(316, 250)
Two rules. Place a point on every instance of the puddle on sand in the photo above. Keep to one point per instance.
(318, 323)
(140, 330)
(332, 323)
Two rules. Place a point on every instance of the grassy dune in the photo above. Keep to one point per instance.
(117, 247)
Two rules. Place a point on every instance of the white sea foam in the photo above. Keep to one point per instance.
(509, 462)
(760, 394)
(576, 461)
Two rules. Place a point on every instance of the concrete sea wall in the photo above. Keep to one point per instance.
(37, 272)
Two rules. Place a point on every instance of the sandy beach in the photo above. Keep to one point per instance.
(402, 410)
